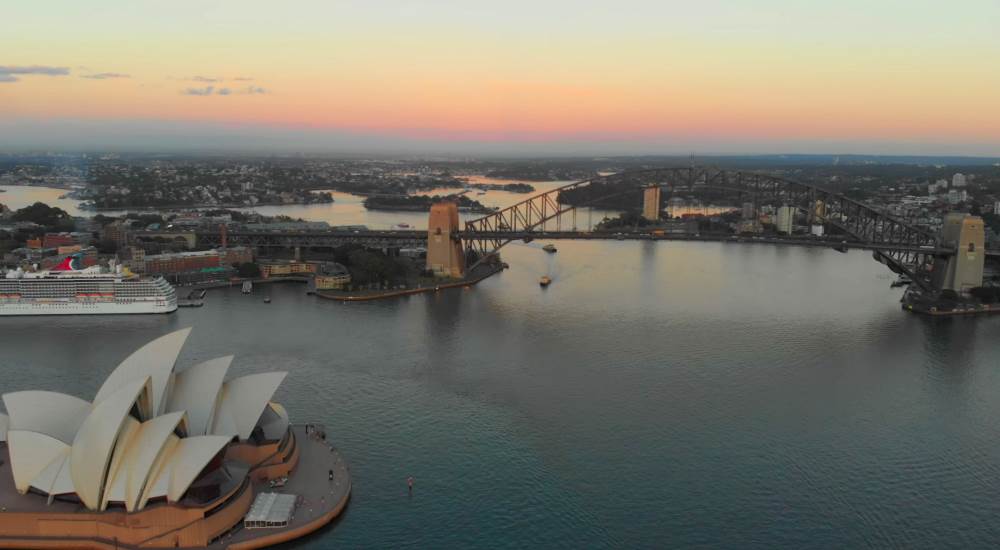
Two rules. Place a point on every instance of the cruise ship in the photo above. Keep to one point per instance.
(69, 289)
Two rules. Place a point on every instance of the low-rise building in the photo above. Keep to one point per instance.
(332, 276)
(235, 255)
(180, 262)
(276, 268)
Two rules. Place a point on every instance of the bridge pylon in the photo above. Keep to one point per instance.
(445, 256)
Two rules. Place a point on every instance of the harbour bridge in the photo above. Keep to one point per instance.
(931, 261)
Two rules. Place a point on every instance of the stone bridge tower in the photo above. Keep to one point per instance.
(963, 270)
(445, 256)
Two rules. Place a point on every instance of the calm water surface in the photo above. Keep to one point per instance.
(348, 209)
(657, 395)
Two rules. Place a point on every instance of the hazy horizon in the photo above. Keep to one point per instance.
(518, 78)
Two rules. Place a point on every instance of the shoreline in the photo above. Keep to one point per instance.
(355, 297)
(388, 294)
(163, 209)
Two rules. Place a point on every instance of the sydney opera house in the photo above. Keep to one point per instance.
(164, 457)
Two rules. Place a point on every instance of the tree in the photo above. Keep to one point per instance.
(248, 270)
(50, 217)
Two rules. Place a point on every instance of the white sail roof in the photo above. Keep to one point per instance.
(155, 360)
(158, 484)
(196, 390)
(30, 454)
(274, 422)
(95, 441)
(188, 459)
(55, 478)
(242, 401)
(114, 487)
(142, 453)
(51, 413)
(123, 447)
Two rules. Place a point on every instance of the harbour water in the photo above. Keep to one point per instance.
(656, 395)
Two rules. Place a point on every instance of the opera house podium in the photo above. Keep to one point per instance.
(164, 458)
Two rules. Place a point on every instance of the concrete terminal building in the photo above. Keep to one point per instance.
(159, 458)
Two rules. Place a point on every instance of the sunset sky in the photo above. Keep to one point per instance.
(509, 77)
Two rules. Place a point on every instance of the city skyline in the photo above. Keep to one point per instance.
(519, 78)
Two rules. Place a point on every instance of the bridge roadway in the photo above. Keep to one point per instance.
(324, 239)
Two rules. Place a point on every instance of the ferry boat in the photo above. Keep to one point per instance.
(69, 289)
(550, 248)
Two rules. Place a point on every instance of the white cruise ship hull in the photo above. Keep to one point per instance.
(82, 308)
(84, 293)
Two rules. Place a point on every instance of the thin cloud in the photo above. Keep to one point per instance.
(8, 73)
(225, 91)
(243, 79)
(207, 90)
(105, 76)
(204, 79)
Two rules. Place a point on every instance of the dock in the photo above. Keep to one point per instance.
(195, 298)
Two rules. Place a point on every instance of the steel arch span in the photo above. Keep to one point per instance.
(900, 245)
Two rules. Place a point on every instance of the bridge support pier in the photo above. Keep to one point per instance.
(963, 270)
(445, 256)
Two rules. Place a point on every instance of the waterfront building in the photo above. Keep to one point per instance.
(186, 262)
(651, 203)
(332, 276)
(235, 255)
(277, 268)
(785, 219)
(163, 457)
(54, 240)
(179, 262)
